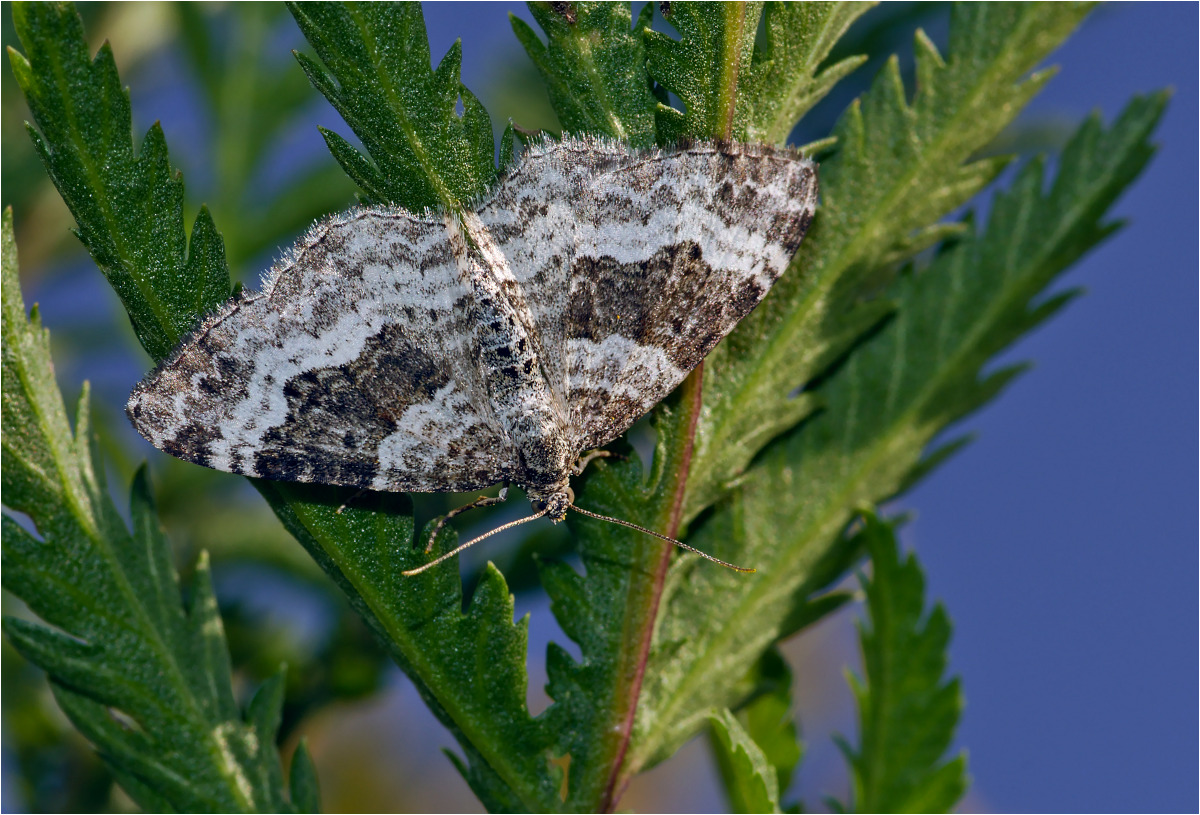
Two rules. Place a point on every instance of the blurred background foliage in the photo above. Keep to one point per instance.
(241, 121)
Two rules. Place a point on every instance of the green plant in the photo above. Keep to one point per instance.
(885, 342)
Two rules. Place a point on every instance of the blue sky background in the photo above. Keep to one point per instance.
(1063, 541)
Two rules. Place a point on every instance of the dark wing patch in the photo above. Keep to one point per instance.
(636, 264)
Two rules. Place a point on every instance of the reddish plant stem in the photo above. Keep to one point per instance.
(692, 401)
(693, 394)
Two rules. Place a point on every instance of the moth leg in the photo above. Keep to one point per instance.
(481, 501)
(588, 457)
(353, 497)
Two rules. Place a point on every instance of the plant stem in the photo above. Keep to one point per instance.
(692, 401)
(693, 391)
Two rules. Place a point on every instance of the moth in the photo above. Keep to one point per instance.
(454, 350)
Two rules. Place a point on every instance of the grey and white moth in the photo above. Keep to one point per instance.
(453, 351)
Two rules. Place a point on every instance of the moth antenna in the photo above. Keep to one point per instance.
(680, 544)
(472, 542)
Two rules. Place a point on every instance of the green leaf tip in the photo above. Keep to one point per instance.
(594, 66)
(758, 753)
(374, 69)
(750, 780)
(128, 203)
(303, 787)
(907, 709)
(784, 79)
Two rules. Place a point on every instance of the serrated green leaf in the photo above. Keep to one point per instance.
(609, 611)
(266, 706)
(920, 373)
(768, 718)
(145, 680)
(897, 169)
(767, 722)
(750, 780)
(376, 74)
(758, 93)
(715, 38)
(783, 81)
(355, 165)
(594, 65)
(907, 711)
(128, 204)
(508, 146)
(468, 666)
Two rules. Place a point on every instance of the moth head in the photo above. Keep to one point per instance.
(555, 502)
